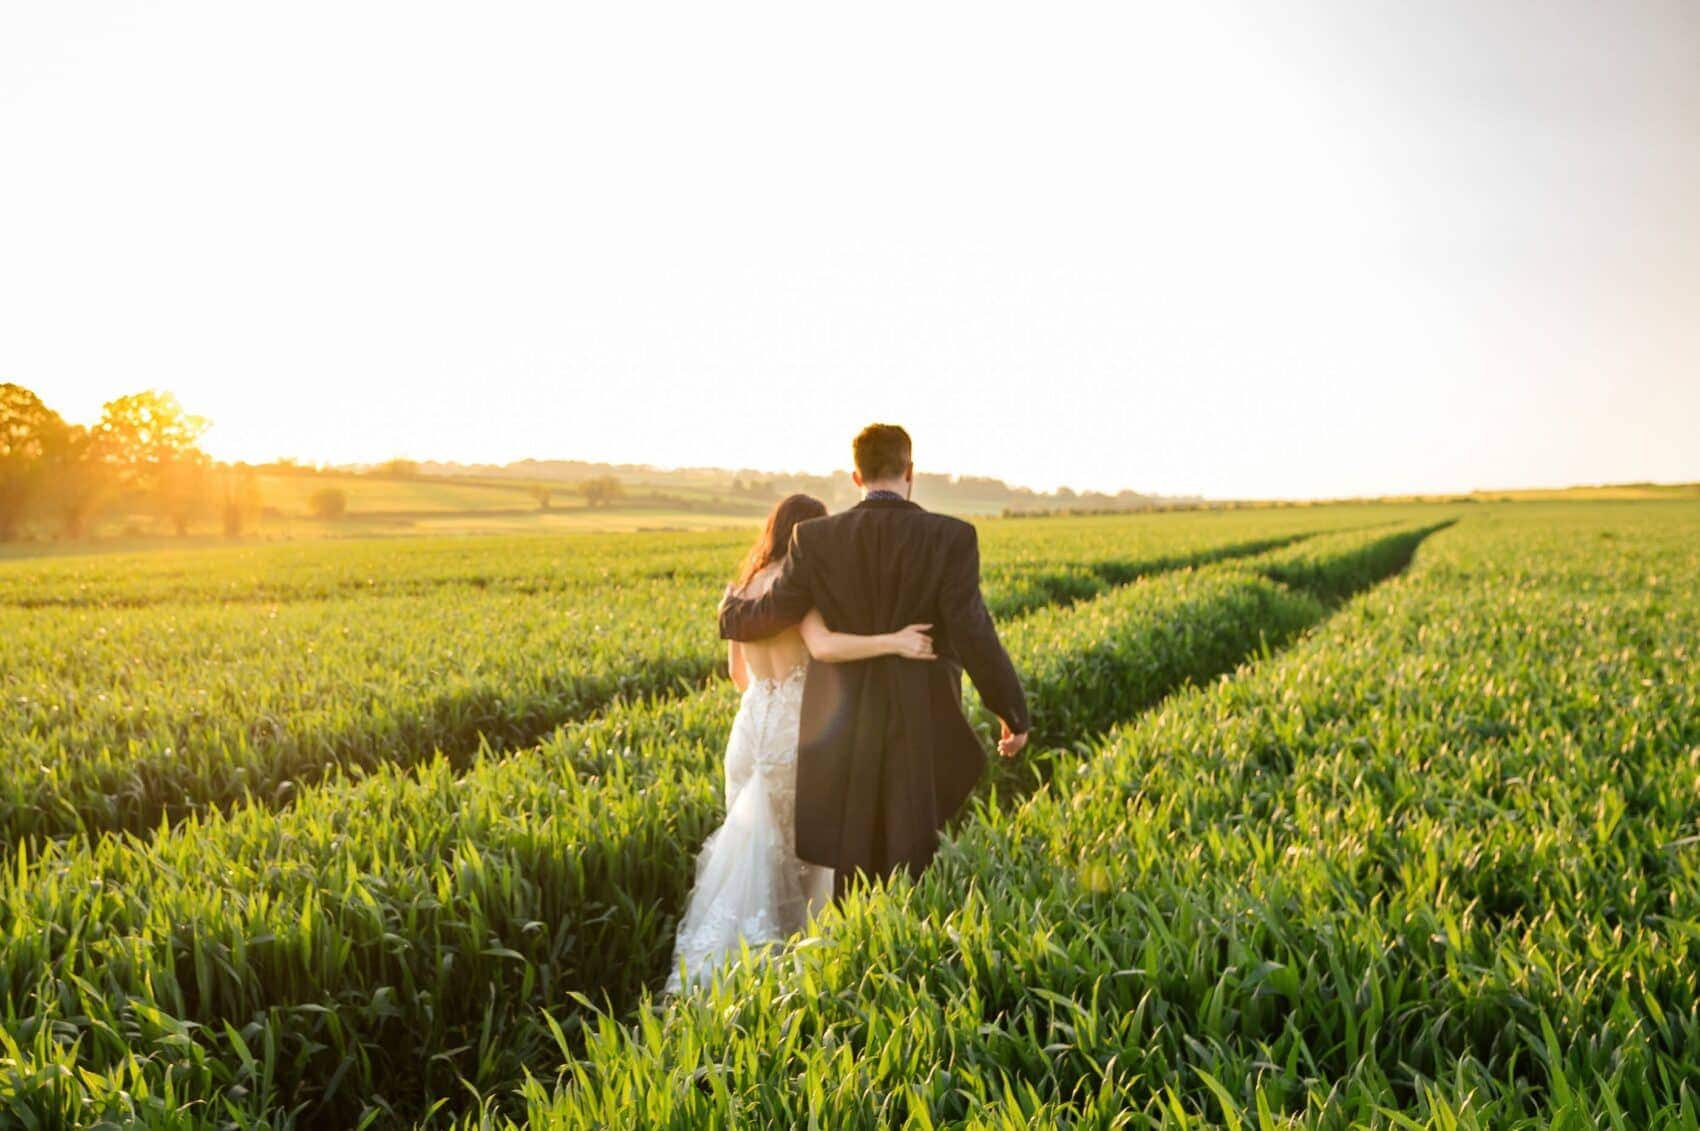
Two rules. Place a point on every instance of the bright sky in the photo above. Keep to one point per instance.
(1232, 249)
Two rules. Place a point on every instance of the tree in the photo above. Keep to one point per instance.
(156, 444)
(183, 491)
(328, 502)
(241, 507)
(146, 429)
(542, 495)
(83, 474)
(398, 469)
(31, 439)
(601, 490)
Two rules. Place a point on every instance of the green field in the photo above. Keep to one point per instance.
(1336, 816)
(367, 494)
(379, 505)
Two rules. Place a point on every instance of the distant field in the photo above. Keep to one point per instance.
(432, 504)
(1619, 492)
(477, 503)
(366, 494)
(1605, 491)
(425, 505)
(436, 506)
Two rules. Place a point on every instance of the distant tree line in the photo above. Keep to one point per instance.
(601, 490)
(744, 487)
(142, 459)
(143, 453)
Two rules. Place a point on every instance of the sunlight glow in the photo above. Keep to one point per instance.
(1231, 249)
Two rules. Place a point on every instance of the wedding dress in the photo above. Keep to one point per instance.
(749, 885)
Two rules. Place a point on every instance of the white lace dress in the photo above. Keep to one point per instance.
(750, 886)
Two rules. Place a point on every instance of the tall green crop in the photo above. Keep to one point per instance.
(143, 688)
(1435, 865)
(382, 943)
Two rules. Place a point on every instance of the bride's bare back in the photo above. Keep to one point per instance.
(777, 656)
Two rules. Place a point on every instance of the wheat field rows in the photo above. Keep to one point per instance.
(1335, 816)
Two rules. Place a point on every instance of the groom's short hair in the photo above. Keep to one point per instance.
(882, 451)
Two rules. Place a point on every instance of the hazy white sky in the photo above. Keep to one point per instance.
(1236, 249)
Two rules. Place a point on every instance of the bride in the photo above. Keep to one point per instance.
(750, 887)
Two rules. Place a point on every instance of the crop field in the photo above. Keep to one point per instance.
(1334, 816)
(144, 687)
(418, 494)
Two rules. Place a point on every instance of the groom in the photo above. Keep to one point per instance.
(885, 755)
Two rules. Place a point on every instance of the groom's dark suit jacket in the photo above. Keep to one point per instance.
(885, 755)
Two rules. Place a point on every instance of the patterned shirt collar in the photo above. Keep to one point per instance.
(883, 494)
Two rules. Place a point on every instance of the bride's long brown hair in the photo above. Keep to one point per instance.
(775, 540)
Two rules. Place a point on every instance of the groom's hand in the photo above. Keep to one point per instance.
(1010, 744)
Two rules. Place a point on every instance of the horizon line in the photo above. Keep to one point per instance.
(360, 467)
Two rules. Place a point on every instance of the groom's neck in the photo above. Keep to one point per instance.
(895, 486)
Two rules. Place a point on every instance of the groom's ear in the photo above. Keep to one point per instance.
(909, 472)
(856, 478)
